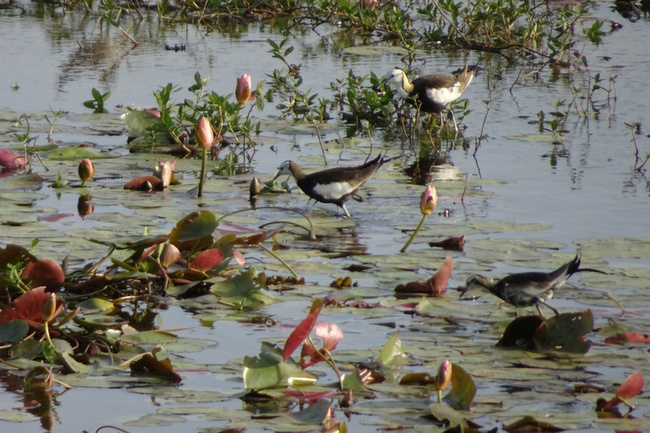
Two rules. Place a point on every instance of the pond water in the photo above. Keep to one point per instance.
(530, 204)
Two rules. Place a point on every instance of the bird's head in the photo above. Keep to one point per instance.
(398, 78)
(478, 281)
(286, 168)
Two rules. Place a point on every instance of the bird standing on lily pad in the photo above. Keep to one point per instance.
(334, 185)
(432, 93)
(528, 288)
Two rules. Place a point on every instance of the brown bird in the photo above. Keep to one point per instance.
(334, 185)
(433, 93)
(528, 288)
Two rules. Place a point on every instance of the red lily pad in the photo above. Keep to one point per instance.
(29, 307)
(434, 286)
(632, 386)
(302, 330)
(308, 397)
(206, 260)
(145, 183)
(632, 337)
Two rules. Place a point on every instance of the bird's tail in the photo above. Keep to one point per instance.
(574, 267)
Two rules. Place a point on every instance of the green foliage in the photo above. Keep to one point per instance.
(98, 101)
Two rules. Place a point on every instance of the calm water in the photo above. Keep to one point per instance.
(592, 191)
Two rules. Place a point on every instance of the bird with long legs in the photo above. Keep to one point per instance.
(334, 185)
(527, 289)
(432, 93)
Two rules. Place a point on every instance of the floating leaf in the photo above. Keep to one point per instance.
(530, 424)
(434, 286)
(149, 364)
(519, 333)
(243, 290)
(269, 369)
(565, 333)
(145, 183)
(463, 389)
(307, 397)
(632, 337)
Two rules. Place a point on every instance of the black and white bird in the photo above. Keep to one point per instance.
(528, 288)
(334, 185)
(432, 93)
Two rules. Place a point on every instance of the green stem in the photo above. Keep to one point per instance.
(329, 360)
(440, 396)
(205, 157)
(286, 265)
(417, 229)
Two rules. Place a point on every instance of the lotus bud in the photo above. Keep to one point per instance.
(244, 90)
(86, 171)
(49, 307)
(204, 133)
(428, 200)
(254, 188)
(169, 255)
(443, 377)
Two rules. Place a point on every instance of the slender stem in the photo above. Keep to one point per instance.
(205, 157)
(415, 232)
(286, 265)
(439, 396)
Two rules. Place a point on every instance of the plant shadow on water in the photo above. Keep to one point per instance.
(170, 304)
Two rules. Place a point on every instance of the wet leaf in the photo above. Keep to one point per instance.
(434, 286)
(463, 389)
(149, 337)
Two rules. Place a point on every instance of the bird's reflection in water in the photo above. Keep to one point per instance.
(432, 166)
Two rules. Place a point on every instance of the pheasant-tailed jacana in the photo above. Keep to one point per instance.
(334, 185)
(528, 288)
(433, 93)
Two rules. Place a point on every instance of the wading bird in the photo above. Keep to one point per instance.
(432, 93)
(334, 185)
(528, 288)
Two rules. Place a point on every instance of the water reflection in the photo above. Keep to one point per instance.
(431, 166)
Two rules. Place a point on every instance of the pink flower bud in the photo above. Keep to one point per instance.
(86, 171)
(49, 308)
(428, 200)
(244, 90)
(443, 377)
(204, 133)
